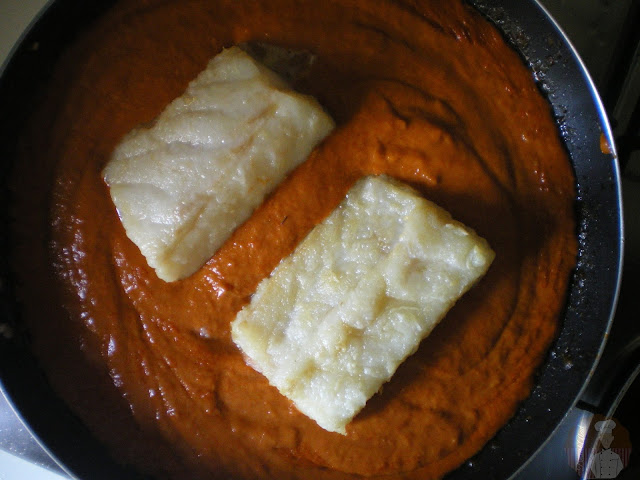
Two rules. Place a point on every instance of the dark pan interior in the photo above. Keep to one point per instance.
(595, 282)
(594, 285)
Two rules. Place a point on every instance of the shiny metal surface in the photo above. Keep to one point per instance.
(16, 440)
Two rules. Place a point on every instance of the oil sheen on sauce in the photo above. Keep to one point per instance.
(426, 92)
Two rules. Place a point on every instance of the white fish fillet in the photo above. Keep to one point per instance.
(338, 316)
(183, 185)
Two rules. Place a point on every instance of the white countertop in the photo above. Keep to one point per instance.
(15, 468)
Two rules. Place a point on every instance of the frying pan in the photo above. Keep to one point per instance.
(594, 284)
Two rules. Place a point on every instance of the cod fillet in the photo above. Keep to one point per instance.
(338, 316)
(183, 185)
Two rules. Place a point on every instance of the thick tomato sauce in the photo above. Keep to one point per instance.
(426, 92)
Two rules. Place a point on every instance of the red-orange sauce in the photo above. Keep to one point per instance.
(424, 91)
(604, 145)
